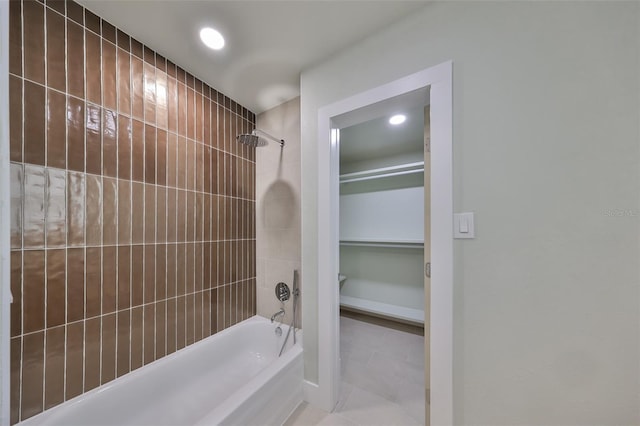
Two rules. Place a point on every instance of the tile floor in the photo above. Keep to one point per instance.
(382, 379)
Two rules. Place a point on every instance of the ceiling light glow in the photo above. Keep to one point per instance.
(397, 119)
(212, 38)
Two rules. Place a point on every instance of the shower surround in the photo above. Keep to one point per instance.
(132, 207)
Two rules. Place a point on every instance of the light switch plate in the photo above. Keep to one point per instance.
(463, 225)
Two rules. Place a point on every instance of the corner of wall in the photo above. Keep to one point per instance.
(5, 293)
(278, 215)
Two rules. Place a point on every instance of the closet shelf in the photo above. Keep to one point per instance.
(402, 169)
(383, 243)
(383, 309)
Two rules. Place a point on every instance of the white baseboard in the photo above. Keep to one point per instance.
(313, 395)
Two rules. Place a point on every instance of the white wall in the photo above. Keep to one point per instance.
(278, 207)
(389, 215)
(387, 275)
(546, 152)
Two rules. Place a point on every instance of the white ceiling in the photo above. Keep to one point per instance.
(268, 42)
(366, 134)
(376, 138)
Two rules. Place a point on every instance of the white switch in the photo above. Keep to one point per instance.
(463, 226)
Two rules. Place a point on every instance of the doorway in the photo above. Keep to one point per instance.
(438, 82)
(384, 172)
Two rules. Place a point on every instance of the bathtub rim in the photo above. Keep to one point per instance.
(245, 392)
(43, 417)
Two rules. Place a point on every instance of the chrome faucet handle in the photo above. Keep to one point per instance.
(282, 292)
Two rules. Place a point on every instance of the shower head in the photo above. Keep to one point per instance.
(251, 140)
(258, 138)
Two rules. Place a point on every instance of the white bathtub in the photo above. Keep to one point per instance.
(234, 377)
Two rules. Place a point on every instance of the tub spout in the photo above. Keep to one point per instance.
(277, 314)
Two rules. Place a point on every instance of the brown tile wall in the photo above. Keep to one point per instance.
(132, 206)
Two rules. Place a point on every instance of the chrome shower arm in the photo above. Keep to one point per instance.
(296, 293)
(268, 136)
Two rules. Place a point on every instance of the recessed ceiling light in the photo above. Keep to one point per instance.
(212, 38)
(397, 119)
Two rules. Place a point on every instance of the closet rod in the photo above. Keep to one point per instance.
(418, 164)
(406, 172)
(407, 245)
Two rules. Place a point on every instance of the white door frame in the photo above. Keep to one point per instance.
(5, 227)
(439, 79)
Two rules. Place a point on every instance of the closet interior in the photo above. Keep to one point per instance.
(382, 217)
